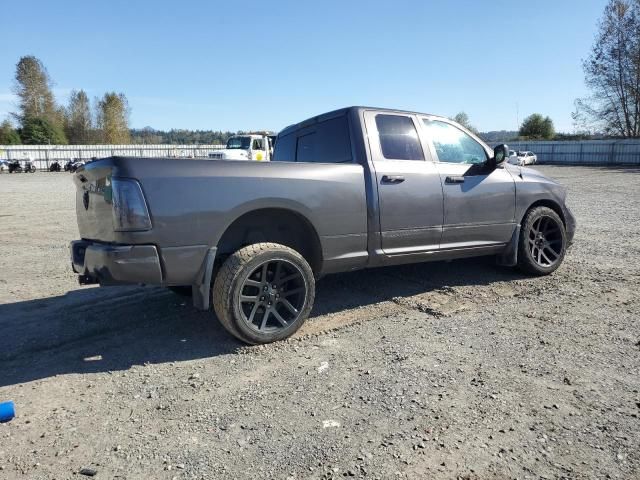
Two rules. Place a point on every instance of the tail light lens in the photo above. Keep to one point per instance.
(130, 211)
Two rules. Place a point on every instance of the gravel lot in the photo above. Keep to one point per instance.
(439, 370)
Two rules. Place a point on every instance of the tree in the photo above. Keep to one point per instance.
(33, 88)
(113, 118)
(146, 136)
(39, 131)
(78, 122)
(537, 127)
(612, 73)
(8, 135)
(463, 119)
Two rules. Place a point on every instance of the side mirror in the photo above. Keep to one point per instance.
(500, 154)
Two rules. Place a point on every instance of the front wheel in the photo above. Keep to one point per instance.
(543, 242)
(264, 293)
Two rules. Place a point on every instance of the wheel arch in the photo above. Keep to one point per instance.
(546, 202)
(273, 224)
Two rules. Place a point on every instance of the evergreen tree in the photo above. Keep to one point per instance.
(537, 127)
(39, 131)
(8, 135)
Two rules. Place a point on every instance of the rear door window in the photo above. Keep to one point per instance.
(285, 149)
(398, 137)
(325, 142)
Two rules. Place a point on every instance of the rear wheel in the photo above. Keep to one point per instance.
(264, 293)
(543, 242)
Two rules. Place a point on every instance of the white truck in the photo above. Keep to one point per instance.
(252, 146)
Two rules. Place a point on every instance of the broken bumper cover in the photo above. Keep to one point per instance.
(108, 264)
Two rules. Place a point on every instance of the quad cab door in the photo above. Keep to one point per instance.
(408, 183)
(479, 201)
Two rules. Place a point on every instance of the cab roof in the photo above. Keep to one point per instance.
(345, 111)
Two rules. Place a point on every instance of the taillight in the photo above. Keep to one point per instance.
(129, 210)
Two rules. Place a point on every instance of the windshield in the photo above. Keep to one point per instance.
(239, 143)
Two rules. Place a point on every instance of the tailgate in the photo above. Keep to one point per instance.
(93, 201)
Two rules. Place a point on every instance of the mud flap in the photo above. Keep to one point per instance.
(202, 289)
(509, 258)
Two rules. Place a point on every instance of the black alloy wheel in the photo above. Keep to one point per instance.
(272, 296)
(543, 241)
(546, 241)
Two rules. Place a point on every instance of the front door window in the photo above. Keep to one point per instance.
(453, 145)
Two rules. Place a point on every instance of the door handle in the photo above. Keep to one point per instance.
(392, 179)
(454, 179)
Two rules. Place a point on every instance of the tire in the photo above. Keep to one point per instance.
(543, 242)
(183, 291)
(263, 279)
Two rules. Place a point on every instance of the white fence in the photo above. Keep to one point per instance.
(584, 152)
(43, 155)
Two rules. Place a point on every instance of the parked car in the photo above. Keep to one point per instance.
(350, 189)
(513, 158)
(527, 158)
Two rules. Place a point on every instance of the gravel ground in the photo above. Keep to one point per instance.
(441, 370)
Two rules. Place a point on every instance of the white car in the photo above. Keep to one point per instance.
(527, 158)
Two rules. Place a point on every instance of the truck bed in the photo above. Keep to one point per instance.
(192, 202)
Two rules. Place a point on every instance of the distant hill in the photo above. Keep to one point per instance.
(499, 136)
(150, 136)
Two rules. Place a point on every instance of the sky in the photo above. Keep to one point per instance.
(255, 65)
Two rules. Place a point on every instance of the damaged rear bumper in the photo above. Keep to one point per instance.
(108, 264)
(112, 264)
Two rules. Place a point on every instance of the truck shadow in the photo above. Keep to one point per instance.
(110, 329)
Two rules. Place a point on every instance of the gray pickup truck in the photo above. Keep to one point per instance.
(354, 188)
